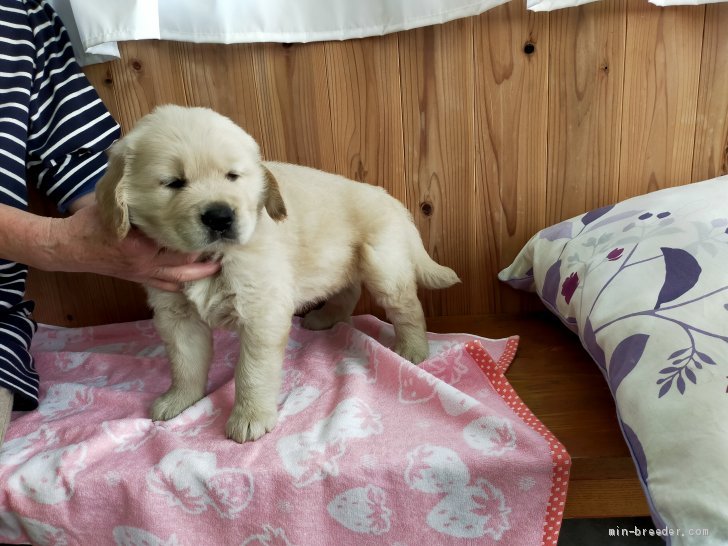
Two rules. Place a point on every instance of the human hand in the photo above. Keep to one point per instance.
(82, 243)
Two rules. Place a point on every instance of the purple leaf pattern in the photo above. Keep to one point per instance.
(556, 232)
(589, 341)
(639, 453)
(680, 369)
(551, 284)
(625, 357)
(595, 214)
(613, 218)
(682, 272)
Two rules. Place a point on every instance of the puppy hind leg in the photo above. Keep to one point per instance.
(338, 308)
(394, 287)
(189, 348)
(405, 313)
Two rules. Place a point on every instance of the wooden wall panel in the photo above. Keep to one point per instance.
(662, 73)
(218, 77)
(437, 76)
(487, 128)
(586, 78)
(143, 78)
(711, 129)
(511, 67)
(294, 104)
(366, 113)
(366, 117)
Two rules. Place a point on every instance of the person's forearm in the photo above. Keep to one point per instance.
(83, 201)
(25, 238)
(82, 243)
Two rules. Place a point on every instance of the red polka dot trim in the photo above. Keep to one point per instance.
(560, 459)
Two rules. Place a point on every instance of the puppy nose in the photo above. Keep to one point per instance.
(218, 217)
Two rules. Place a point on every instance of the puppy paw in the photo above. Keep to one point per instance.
(246, 424)
(318, 319)
(170, 405)
(414, 352)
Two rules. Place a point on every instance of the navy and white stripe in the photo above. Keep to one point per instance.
(54, 130)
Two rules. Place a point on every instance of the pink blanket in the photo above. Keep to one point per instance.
(369, 449)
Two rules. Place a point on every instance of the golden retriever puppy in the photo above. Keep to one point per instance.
(286, 235)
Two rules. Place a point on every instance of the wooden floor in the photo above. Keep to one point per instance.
(560, 383)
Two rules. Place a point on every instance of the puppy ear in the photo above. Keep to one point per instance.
(272, 199)
(110, 192)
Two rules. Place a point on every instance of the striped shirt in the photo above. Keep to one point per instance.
(54, 130)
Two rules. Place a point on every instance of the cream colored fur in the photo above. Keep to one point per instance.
(299, 236)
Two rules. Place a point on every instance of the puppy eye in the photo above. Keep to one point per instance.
(176, 184)
(232, 176)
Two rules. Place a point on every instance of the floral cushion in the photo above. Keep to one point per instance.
(644, 283)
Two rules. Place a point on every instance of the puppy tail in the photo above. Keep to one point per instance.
(430, 274)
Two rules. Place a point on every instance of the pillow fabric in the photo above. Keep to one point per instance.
(644, 283)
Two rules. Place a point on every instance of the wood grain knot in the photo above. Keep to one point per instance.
(136, 64)
(427, 208)
(529, 48)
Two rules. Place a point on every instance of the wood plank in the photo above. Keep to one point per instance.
(586, 79)
(366, 111)
(711, 132)
(437, 109)
(220, 77)
(366, 118)
(614, 498)
(511, 119)
(294, 106)
(82, 299)
(143, 78)
(101, 77)
(662, 73)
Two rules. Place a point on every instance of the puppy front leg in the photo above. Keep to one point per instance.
(257, 381)
(189, 348)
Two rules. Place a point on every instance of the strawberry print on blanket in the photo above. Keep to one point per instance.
(369, 449)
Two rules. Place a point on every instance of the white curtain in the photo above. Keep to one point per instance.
(85, 55)
(95, 25)
(234, 21)
(549, 5)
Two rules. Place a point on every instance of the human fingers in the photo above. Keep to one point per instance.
(186, 273)
(164, 285)
(172, 258)
(138, 244)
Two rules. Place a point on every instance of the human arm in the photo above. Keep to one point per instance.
(81, 243)
(83, 201)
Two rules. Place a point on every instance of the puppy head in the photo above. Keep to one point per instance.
(190, 179)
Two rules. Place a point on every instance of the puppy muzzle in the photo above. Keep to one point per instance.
(219, 219)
